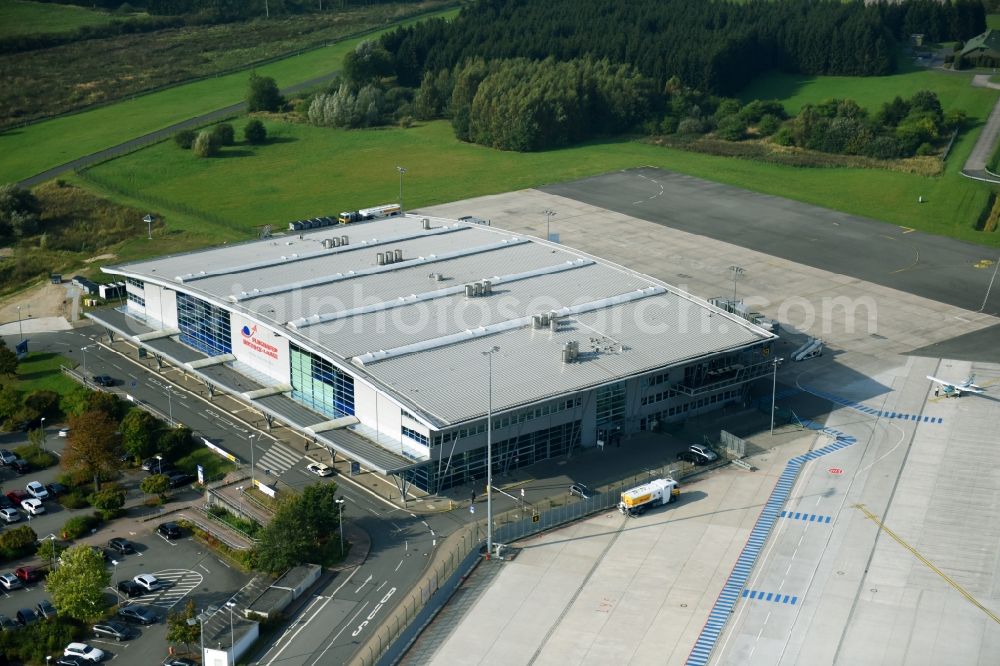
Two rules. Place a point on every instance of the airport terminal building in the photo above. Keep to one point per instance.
(388, 341)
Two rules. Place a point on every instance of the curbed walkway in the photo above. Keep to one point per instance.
(975, 165)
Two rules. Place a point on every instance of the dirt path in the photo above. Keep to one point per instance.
(43, 300)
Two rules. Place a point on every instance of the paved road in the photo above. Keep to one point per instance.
(333, 625)
(146, 139)
(933, 267)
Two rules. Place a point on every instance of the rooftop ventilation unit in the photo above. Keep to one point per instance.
(399, 256)
(380, 259)
(470, 291)
(327, 243)
(554, 324)
(570, 351)
(536, 321)
(344, 240)
(487, 287)
(425, 223)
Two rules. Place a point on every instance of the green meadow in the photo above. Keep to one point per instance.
(20, 17)
(308, 171)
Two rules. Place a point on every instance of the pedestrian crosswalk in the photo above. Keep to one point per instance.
(177, 584)
(278, 459)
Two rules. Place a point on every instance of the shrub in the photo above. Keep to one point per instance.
(74, 500)
(77, 526)
(224, 134)
(406, 122)
(768, 124)
(205, 145)
(33, 643)
(175, 443)
(109, 501)
(36, 456)
(690, 126)
(185, 138)
(255, 132)
(17, 542)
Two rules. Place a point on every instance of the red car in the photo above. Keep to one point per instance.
(29, 574)
(17, 496)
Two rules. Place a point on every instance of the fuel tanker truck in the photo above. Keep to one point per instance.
(654, 493)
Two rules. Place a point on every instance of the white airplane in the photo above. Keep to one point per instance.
(956, 389)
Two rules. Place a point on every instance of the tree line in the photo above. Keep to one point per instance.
(713, 46)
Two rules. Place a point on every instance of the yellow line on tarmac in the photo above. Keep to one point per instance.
(930, 566)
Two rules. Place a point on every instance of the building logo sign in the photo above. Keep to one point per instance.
(251, 340)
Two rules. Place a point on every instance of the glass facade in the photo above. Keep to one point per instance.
(508, 454)
(611, 405)
(317, 384)
(203, 325)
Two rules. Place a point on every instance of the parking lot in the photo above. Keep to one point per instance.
(184, 566)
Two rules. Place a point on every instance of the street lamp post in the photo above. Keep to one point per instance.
(252, 482)
(232, 632)
(737, 271)
(340, 505)
(401, 171)
(489, 451)
(114, 563)
(774, 387)
(84, 350)
(43, 432)
(20, 333)
(548, 216)
(200, 621)
(170, 404)
(159, 463)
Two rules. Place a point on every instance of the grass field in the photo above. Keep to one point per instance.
(20, 17)
(41, 371)
(314, 171)
(35, 148)
(795, 90)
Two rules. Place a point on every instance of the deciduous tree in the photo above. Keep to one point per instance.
(255, 132)
(156, 484)
(93, 445)
(139, 430)
(178, 628)
(263, 94)
(77, 586)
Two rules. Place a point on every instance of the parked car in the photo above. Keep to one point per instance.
(704, 452)
(179, 661)
(88, 652)
(7, 624)
(29, 574)
(56, 489)
(46, 609)
(100, 551)
(64, 432)
(5, 502)
(10, 515)
(37, 490)
(120, 545)
(104, 380)
(169, 530)
(20, 466)
(148, 581)
(112, 629)
(71, 661)
(33, 507)
(138, 614)
(320, 469)
(27, 616)
(580, 490)
(692, 458)
(17, 496)
(130, 588)
(178, 478)
(6, 457)
(10, 582)
(155, 466)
